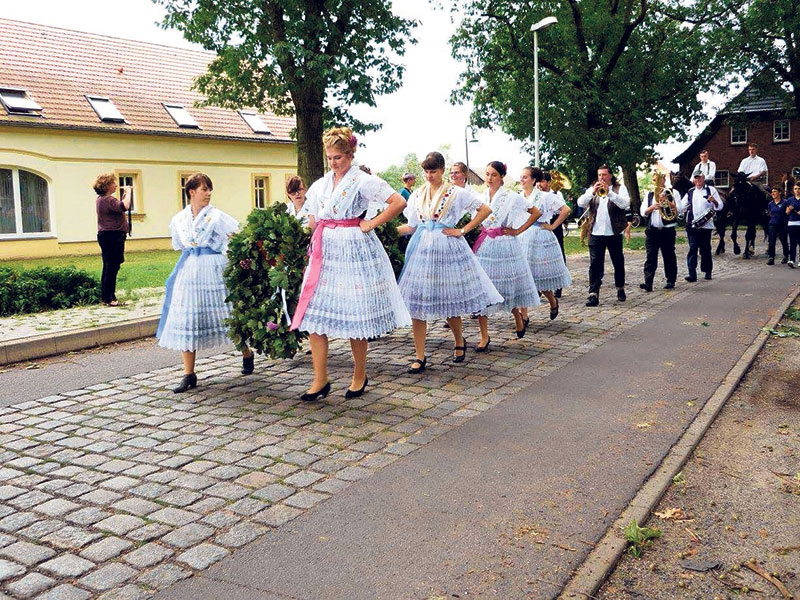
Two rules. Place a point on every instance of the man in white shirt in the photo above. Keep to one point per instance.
(754, 166)
(660, 235)
(707, 167)
(696, 203)
(606, 222)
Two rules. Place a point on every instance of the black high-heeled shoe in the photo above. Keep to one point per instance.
(554, 311)
(422, 364)
(356, 393)
(248, 364)
(318, 395)
(483, 348)
(521, 332)
(188, 382)
(463, 348)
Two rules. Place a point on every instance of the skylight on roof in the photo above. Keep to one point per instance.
(181, 116)
(105, 109)
(256, 124)
(17, 102)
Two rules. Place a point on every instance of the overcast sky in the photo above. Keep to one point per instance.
(418, 118)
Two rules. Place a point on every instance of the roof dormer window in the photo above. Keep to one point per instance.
(181, 116)
(105, 109)
(254, 121)
(17, 102)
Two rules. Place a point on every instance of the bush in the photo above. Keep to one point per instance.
(267, 256)
(46, 288)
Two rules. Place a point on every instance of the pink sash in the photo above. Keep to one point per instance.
(492, 233)
(315, 264)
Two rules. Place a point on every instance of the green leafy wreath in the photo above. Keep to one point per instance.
(264, 276)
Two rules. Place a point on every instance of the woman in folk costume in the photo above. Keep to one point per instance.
(544, 254)
(502, 255)
(296, 192)
(194, 311)
(349, 289)
(442, 278)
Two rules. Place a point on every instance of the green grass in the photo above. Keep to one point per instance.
(572, 244)
(140, 269)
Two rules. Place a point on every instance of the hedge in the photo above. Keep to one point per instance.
(46, 288)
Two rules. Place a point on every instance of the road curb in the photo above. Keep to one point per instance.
(598, 565)
(69, 341)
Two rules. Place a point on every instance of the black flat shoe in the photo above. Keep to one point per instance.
(669, 285)
(318, 395)
(645, 287)
(188, 382)
(483, 348)
(248, 364)
(356, 393)
(558, 293)
(707, 277)
(621, 295)
(690, 279)
(521, 332)
(422, 364)
(554, 311)
(463, 348)
(592, 300)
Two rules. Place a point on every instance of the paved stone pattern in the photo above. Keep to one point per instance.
(146, 302)
(124, 488)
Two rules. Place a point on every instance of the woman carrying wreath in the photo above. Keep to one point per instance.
(194, 311)
(442, 278)
(502, 255)
(349, 289)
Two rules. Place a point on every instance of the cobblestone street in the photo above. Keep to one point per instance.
(121, 489)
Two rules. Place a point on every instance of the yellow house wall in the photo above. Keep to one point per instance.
(71, 160)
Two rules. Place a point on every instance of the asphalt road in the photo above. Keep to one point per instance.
(508, 504)
(77, 370)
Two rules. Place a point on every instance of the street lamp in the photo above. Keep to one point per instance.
(467, 142)
(535, 28)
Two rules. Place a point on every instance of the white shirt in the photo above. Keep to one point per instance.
(548, 203)
(301, 215)
(700, 203)
(655, 216)
(709, 169)
(752, 165)
(602, 222)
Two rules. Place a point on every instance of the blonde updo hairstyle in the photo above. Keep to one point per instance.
(340, 138)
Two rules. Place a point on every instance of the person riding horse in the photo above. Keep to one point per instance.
(751, 204)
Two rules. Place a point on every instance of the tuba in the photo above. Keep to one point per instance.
(559, 181)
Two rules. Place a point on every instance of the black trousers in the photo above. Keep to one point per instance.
(598, 244)
(794, 241)
(660, 240)
(559, 232)
(699, 241)
(778, 232)
(112, 248)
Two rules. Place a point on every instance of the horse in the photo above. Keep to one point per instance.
(748, 203)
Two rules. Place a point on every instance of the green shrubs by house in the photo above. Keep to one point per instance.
(46, 288)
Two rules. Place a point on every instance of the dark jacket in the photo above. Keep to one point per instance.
(777, 212)
(618, 216)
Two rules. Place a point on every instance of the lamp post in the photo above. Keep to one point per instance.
(535, 28)
(467, 142)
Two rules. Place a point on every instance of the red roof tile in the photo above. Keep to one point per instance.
(59, 67)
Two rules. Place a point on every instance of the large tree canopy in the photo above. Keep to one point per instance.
(311, 58)
(616, 77)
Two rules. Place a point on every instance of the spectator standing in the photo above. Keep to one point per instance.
(112, 229)
(409, 179)
(777, 226)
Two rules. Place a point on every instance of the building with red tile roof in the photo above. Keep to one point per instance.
(75, 104)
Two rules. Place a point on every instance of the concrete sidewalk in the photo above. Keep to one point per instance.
(508, 504)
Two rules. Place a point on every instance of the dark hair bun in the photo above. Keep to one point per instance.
(499, 167)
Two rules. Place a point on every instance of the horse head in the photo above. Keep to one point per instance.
(680, 182)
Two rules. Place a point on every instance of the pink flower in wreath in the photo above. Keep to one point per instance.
(272, 326)
(245, 263)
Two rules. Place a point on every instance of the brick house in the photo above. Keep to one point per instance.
(750, 117)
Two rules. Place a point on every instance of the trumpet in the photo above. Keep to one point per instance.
(602, 191)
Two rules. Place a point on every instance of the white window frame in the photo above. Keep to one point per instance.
(17, 192)
(738, 142)
(253, 120)
(775, 137)
(718, 175)
(181, 116)
(107, 113)
(264, 190)
(25, 106)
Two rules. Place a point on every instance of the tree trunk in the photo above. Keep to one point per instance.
(632, 184)
(310, 160)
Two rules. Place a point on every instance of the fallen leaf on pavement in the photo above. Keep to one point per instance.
(670, 513)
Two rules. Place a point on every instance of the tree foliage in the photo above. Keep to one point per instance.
(310, 58)
(616, 78)
(757, 39)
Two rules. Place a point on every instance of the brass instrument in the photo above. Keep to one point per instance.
(602, 192)
(559, 181)
(660, 196)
